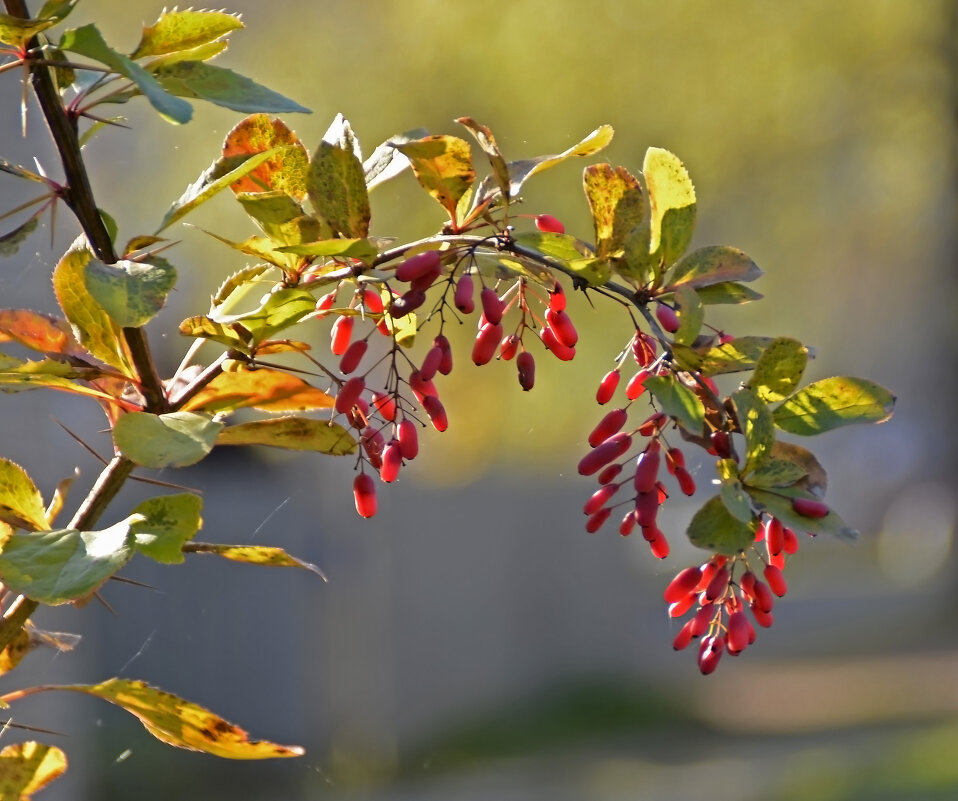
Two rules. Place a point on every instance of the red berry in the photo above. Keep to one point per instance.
(643, 349)
(682, 605)
(628, 524)
(560, 351)
(364, 493)
(406, 303)
(549, 224)
(721, 444)
(599, 497)
(710, 568)
(353, 355)
(419, 265)
(777, 559)
(764, 618)
(775, 579)
(657, 543)
(790, 540)
(526, 365)
(684, 637)
(408, 437)
(372, 301)
(597, 520)
(674, 458)
(686, 482)
(636, 385)
(392, 461)
(667, 317)
(653, 424)
(431, 362)
(738, 632)
(747, 583)
(420, 386)
(385, 405)
(702, 620)
(607, 386)
(325, 303)
(809, 507)
(561, 324)
(718, 584)
(349, 393)
(647, 508)
(774, 535)
(763, 596)
(647, 468)
(340, 334)
(436, 412)
(710, 652)
(557, 298)
(445, 363)
(607, 451)
(610, 424)
(492, 307)
(683, 584)
(463, 297)
(373, 445)
(609, 473)
(487, 340)
(509, 347)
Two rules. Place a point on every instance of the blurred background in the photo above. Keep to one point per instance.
(472, 641)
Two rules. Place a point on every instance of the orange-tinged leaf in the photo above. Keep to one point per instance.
(28, 767)
(285, 171)
(292, 433)
(253, 555)
(41, 332)
(443, 166)
(617, 204)
(181, 723)
(270, 390)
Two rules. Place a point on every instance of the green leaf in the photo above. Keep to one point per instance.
(292, 433)
(21, 504)
(220, 174)
(180, 723)
(500, 170)
(672, 202)
(774, 472)
(521, 171)
(617, 205)
(26, 768)
(678, 401)
(727, 292)
(56, 567)
(17, 32)
(337, 189)
(779, 504)
(714, 528)
(285, 171)
(779, 369)
(130, 292)
(223, 87)
(88, 41)
(784, 461)
(733, 357)
(713, 265)
(755, 422)
(265, 555)
(361, 249)
(691, 314)
(93, 327)
(563, 247)
(443, 167)
(731, 492)
(278, 310)
(280, 216)
(10, 242)
(168, 522)
(262, 248)
(832, 403)
(177, 439)
(183, 30)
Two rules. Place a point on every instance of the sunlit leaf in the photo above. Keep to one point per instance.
(361, 249)
(714, 528)
(263, 388)
(130, 292)
(713, 265)
(20, 376)
(617, 205)
(168, 522)
(443, 166)
(230, 334)
(779, 369)
(181, 723)
(731, 492)
(672, 202)
(386, 162)
(235, 287)
(220, 174)
(500, 170)
(265, 555)
(21, 504)
(177, 439)
(56, 567)
(727, 292)
(678, 401)
(183, 30)
(735, 356)
(563, 247)
(262, 248)
(779, 504)
(223, 87)
(286, 171)
(691, 314)
(93, 327)
(88, 41)
(17, 32)
(521, 171)
(10, 657)
(755, 422)
(281, 217)
(41, 332)
(337, 189)
(26, 768)
(278, 310)
(833, 403)
(789, 465)
(292, 433)
(10, 242)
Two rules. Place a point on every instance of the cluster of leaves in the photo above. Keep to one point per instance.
(315, 260)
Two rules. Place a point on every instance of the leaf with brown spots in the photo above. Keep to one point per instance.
(253, 555)
(286, 171)
(28, 767)
(443, 166)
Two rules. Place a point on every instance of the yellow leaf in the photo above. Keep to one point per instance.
(270, 390)
(28, 767)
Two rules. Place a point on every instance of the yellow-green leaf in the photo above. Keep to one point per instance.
(833, 403)
(779, 369)
(292, 433)
(521, 171)
(285, 172)
(168, 522)
(672, 202)
(678, 401)
(177, 439)
(181, 723)
(21, 504)
(130, 292)
(691, 314)
(265, 555)
(263, 388)
(183, 30)
(713, 265)
(28, 767)
(443, 167)
(617, 205)
(755, 422)
(17, 32)
(714, 528)
(735, 356)
(731, 492)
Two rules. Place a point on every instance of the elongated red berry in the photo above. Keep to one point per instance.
(430, 363)
(667, 317)
(597, 520)
(463, 297)
(526, 366)
(775, 579)
(683, 584)
(809, 507)
(721, 444)
(762, 617)
(774, 535)
(682, 605)
(353, 355)
(419, 265)
(702, 620)
(552, 343)
(710, 652)
(790, 539)
(658, 544)
(607, 451)
(647, 468)
(609, 473)
(686, 482)
(487, 340)
(549, 224)
(652, 424)
(627, 526)
(598, 499)
(373, 444)
(610, 424)
(509, 347)
(325, 303)
(674, 458)
(364, 493)
(373, 301)
(423, 282)
(349, 393)
(718, 584)
(421, 387)
(385, 405)
(763, 596)
(406, 303)
(684, 637)
(561, 324)
(340, 334)
(436, 412)
(445, 363)
(392, 461)
(738, 632)
(408, 437)
(643, 349)
(557, 298)
(607, 386)
(710, 568)
(492, 307)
